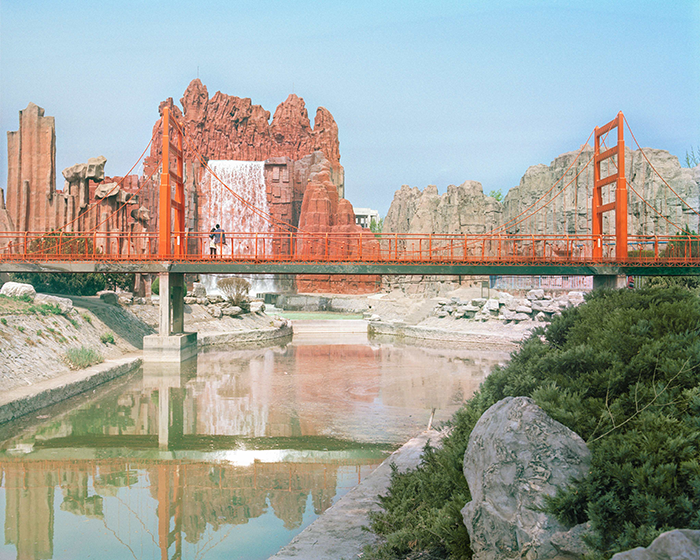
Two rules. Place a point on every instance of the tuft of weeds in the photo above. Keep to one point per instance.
(80, 358)
(20, 328)
(107, 338)
(3, 321)
(45, 309)
(86, 317)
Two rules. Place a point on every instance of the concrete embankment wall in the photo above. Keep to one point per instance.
(338, 533)
(25, 400)
(205, 339)
(401, 330)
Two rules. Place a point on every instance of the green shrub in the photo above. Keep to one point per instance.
(155, 286)
(86, 317)
(20, 328)
(3, 321)
(623, 371)
(107, 338)
(83, 357)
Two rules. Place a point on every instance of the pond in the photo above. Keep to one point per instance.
(228, 456)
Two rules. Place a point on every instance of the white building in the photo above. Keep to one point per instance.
(364, 216)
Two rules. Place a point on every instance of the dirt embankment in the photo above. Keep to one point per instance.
(33, 345)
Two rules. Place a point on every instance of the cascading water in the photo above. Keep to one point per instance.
(247, 180)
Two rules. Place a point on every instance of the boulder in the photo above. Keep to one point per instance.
(576, 298)
(478, 302)
(256, 306)
(492, 306)
(535, 295)
(508, 315)
(64, 304)
(516, 455)
(17, 289)
(198, 290)
(521, 317)
(523, 309)
(215, 311)
(190, 300)
(679, 544)
(232, 311)
(546, 306)
(108, 296)
(541, 317)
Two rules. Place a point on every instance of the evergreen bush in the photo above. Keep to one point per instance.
(622, 371)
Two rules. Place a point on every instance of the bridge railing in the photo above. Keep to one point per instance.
(350, 247)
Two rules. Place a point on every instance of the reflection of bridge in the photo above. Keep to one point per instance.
(605, 251)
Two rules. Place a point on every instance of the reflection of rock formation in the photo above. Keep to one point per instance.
(196, 497)
(29, 513)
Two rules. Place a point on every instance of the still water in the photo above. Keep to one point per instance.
(229, 456)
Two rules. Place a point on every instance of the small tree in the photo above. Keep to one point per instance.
(235, 290)
(376, 226)
(497, 194)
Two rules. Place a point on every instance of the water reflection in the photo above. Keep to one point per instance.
(204, 459)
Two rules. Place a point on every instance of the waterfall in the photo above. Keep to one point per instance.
(219, 206)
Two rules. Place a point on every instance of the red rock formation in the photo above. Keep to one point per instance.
(31, 172)
(228, 127)
(323, 213)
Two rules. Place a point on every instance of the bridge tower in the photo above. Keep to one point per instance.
(167, 202)
(172, 343)
(619, 204)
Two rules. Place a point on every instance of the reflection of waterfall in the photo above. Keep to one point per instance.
(246, 179)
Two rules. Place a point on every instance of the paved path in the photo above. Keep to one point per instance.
(338, 533)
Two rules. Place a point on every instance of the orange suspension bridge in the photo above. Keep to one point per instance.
(287, 249)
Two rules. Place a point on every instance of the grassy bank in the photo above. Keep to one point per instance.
(623, 371)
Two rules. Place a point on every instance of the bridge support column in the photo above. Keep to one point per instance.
(609, 282)
(171, 344)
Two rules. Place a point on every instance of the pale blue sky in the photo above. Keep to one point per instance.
(423, 92)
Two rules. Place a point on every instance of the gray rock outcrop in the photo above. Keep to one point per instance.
(64, 304)
(465, 208)
(462, 209)
(516, 455)
(680, 544)
(17, 289)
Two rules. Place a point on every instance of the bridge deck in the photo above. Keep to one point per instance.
(223, 266)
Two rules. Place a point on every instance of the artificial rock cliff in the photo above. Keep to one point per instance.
(466, 209)
(226, 127)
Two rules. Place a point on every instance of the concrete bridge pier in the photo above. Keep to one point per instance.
(172, 343)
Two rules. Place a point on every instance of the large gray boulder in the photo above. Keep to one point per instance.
(17, 289)
(679, 544)
(516, 455)
(64, 304)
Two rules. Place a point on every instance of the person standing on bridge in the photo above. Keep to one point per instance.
(219, 240)
(212, 243)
